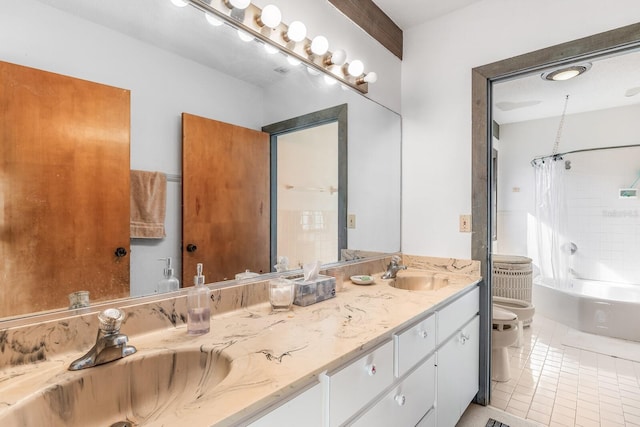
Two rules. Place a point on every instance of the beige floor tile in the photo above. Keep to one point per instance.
(586, 422)
(561, 418)
(610, 408)
(563, 410)
(543, 400)
(501, 395)
(631, 410)
(635, 403)
(499, 403)
(541, 407)
(517, 404)
(539, 417)
(588, 413)
(567, 403)
(611, 417)
(515, 411)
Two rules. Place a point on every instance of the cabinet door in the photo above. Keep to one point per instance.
(304, 409)
(407, 403)
(457, 374)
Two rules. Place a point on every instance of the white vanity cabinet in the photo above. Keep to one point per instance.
(304, 409)
(457, 358)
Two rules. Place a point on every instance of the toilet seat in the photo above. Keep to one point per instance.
(523, 309)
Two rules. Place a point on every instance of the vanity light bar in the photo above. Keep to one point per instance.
(248, 20)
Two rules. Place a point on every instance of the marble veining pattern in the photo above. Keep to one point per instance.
(250, 359)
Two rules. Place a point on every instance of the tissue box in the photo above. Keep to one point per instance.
(311, 292)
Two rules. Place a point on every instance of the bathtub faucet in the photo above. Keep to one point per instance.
(393, 268)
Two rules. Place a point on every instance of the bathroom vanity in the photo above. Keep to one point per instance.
(374, 355)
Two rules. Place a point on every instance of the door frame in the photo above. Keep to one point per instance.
(613, 41)
(329, 115)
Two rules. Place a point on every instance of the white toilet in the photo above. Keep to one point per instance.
(503, 334)
(521, 308)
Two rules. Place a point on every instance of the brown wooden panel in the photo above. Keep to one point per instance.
(368, 16)
(225, 199)
(64, 195)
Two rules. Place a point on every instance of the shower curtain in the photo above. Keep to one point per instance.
(551, 221)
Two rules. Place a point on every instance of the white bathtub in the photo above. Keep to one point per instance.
(603, 308)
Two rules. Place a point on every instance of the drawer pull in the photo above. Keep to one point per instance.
(371, 369)
(464, 337)
(401, 399)
(423, 334)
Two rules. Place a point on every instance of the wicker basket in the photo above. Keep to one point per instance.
(512, 277)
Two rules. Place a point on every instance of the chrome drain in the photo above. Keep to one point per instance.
(122, 424)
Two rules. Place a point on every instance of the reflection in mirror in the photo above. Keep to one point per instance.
(168, 65)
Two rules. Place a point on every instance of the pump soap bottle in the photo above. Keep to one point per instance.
(169, 282)
(198, 309)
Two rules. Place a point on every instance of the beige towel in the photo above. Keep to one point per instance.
(148, 204)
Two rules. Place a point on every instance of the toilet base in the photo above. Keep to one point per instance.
(500, 369)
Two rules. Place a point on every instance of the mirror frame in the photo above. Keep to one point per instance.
(618, 40)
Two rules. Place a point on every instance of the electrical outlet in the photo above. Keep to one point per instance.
(465, 223)
(351, 221)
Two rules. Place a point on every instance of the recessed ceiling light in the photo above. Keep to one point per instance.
(566, 73)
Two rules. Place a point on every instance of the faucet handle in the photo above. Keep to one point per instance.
(395, 259)
(110, 320)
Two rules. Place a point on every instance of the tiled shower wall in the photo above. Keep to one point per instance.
(604, 227)
(308, 235)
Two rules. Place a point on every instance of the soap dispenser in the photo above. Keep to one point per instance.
(169, 282)
(198, 309)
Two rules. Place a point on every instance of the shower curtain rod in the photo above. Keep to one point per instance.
(559, 155)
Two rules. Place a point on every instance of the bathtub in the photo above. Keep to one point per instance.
(603, 308)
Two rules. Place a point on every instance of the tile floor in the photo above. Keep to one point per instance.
(557, 385)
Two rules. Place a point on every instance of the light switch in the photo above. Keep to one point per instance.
(351, 221)
(465, 223)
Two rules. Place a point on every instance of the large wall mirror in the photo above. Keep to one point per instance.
(173, 61)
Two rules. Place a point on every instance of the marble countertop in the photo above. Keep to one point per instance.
(272, 355)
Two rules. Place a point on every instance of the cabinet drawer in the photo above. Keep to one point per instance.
(456, 314)
(306, 406)
(414, 344)
(351, 388)
(407, 403)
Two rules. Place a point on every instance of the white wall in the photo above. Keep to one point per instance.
(436, 100)
(605, 228)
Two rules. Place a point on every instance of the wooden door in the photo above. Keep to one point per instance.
(64, 189)
(225, 199)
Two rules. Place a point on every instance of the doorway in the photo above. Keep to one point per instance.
(308, 185)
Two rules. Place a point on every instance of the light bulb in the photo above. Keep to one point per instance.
(270, 49)
(356, 68)
(238, 4)
(293, 61)
(337, 58)
(179, 3)
(212, 20)
(319, 45)
(244, 36)
(270, 16)
(330, 80)
(372, 77)
(297, 31)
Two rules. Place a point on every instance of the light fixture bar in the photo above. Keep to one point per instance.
(249, 23)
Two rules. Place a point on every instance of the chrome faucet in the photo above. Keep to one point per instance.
(110, 343)
(393, 268)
